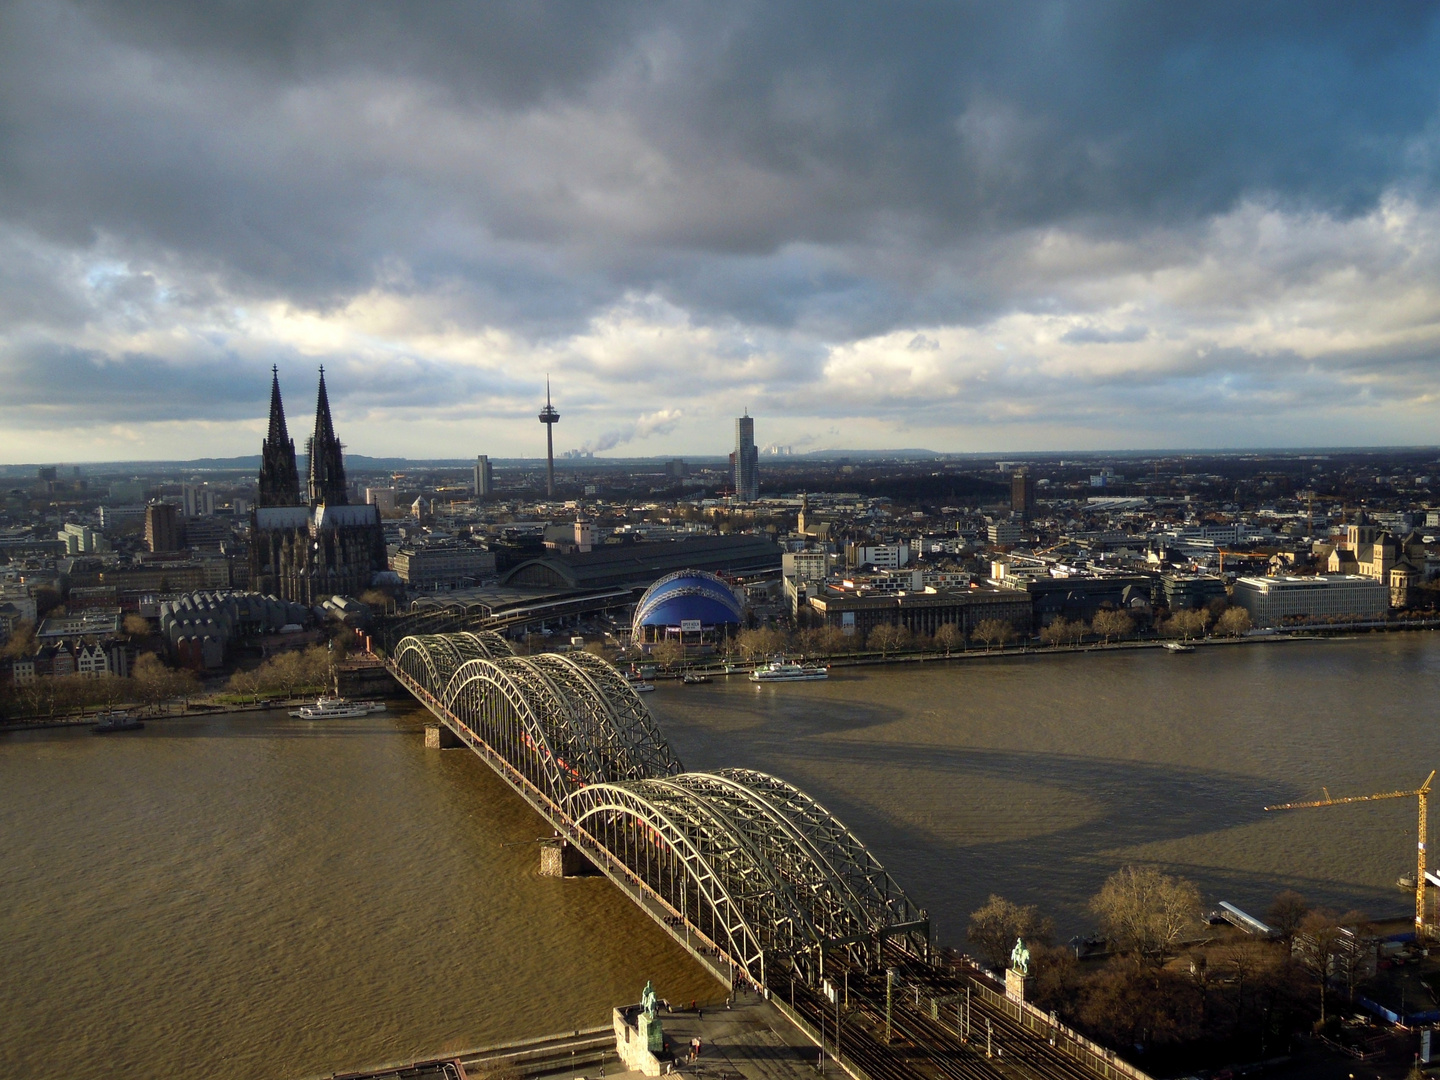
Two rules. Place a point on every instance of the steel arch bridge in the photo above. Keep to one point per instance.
(737, 863)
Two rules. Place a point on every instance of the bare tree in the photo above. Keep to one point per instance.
(1144, 912)
(1113, 624)
(994, 631)
(888, 638)
(1055, 633)
(1287, 912)
(668, 652)
(994, 928)
(1233, 622)
(247, 684)
(1319, 941)
(949, 636)
(1185, 624)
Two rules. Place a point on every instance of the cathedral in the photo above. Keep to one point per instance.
(306, 549)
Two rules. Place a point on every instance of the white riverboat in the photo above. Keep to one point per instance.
(780, 671)
(337, 708)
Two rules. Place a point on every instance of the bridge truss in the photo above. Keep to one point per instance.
(754, 870)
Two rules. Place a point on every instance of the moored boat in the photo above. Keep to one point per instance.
(1176, 646)
(337, 709)
(116, 721)
(780, 671)
(691, 679)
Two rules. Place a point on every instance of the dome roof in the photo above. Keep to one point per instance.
(690, 594)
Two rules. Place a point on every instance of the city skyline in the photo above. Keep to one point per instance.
(966, 230)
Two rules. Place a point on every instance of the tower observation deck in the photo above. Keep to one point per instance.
(549, 417)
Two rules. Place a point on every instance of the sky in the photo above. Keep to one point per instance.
(964, 227)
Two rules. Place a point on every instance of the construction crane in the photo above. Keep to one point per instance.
(1423, 794)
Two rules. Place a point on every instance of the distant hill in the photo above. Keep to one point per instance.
(864, 455)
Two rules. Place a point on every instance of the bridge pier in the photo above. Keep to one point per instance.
(440, 737)
(562, 859)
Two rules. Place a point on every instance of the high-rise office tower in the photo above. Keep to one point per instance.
(549, 417)
(484, 477)
(747, 459)
(162, 531)
(327, 465)
(1022, 494)
(279, 478)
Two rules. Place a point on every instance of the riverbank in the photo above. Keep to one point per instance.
(190, 711)
(1029, 650)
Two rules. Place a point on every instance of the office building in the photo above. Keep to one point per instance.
(1022, 494)
(746, 460)
(443, 565)
(382, 498)
(1337, 597)
(82, 540)
(162, 527)
(197, 500)
(1004, 533)
(675, 469)
(1183, 592)
(925, 612)
(484, 477)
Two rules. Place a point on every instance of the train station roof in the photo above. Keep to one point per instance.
(613, 565)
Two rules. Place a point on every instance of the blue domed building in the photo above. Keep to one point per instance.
(692, 607)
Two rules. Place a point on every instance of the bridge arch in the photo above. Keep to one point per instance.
(561, 721)
(751, 862)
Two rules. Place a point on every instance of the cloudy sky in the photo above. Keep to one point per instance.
(957, 226)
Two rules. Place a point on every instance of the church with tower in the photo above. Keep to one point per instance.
(306, 547)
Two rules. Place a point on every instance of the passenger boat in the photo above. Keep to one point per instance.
(1176, 646)
(116, 721)
(642, 687)
(780, 671)
(690, 679)
(337, 708)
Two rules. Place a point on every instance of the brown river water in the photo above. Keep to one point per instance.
(254, 896)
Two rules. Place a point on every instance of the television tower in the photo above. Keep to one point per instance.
(549, 417)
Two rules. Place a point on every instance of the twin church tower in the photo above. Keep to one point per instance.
(279, 477)
(308, 548)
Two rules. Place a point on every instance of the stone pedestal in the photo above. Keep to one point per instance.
(1018, 987)
(651, 1034)
(633, 1033)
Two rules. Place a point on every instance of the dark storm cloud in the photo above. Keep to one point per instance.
(251, 139)
(671, 203)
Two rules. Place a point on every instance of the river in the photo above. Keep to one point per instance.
(254, 896)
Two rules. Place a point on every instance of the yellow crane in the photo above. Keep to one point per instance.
(1423, 794)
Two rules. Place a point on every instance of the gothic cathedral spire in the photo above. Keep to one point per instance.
(327, 467)
(279, 478)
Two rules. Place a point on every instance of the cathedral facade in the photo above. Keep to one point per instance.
(308, 549)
